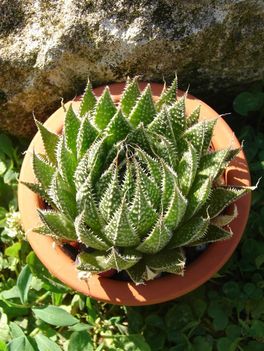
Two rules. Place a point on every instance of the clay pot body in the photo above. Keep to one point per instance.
(161, 289)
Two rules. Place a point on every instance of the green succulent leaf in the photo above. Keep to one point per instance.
(66, 162)
(168, 95)
(130, 96)
(193, 118)
(123, 260)
(165, 150)
(137, 272)
(105, 179)
(199, 135)
(62, 196)
(176, 209)
(86, 136)
(43, 170)
(128, 185)
(141, 213)
(144, 110)
(170, 261)
(50, 141)
(153, 166)
(187, 168)
(230, 155)
(222, 197)
(59, 225)
(85, 199)
(88, 101)
(169, 181)
(150, 189)
(177, 116)
(71, 128)
(163, 125)
(199, 193)
(139, 138)
(92, 262)
(91, 163)
(111, 199)
(104, 110)
(157, 239)
(211, 163)
(189, 232)
(214, 233)
(87, 236)
(118, 128)
(120, 231)
(208, 133)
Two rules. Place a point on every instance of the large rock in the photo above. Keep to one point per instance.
(49, 47)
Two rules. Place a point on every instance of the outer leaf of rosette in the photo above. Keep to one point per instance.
(86, 136)
(222, 197)
(92, 262)
(198, 195)
(211, 164)
(50, 141)
(122, 260)
(189, 232)
(118, 128)
(213, 234)
(92, 162)
(88, 101)
(193, 118)
(168, 95)
(187, 168)
(144, 109)
(59, 225)
(176, 209)
(130, 96)
(176, 113)
(87, 236)
(67, 162)
(43, 170)
(62, 196)
(104, 109)
(163, 125)
(157, 239)
(37, 188)
(200, 135)
(71, 129)
(168, 260)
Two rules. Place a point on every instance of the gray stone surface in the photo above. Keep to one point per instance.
(49, 47)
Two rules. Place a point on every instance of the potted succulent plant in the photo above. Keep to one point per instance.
(135, 186)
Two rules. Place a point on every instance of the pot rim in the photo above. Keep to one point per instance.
(158, 290)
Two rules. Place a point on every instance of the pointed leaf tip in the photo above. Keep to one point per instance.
(104, 109)
(88, 101)
(144, 109)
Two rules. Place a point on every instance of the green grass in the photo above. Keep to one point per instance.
(37, 312)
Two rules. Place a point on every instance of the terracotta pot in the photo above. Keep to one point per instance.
(161, 289)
